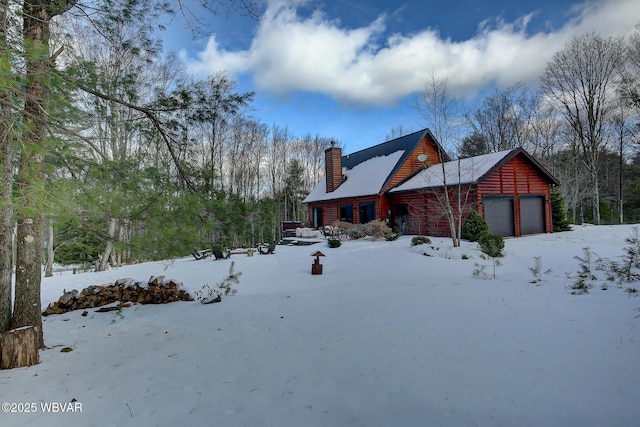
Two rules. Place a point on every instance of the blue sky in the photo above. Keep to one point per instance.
(352, 69)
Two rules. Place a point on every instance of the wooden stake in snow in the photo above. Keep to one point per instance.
(18, 348)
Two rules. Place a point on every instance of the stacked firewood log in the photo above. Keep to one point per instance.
(156, 291)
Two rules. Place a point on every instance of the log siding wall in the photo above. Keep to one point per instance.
(413, 164)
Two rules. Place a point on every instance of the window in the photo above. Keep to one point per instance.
(346, 213)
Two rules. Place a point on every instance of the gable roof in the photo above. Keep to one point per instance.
(466, 171)
(407, 143)
(366, 179)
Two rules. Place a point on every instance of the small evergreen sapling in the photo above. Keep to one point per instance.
(208, 295)
(492, 245)
(585, 278)
(627, 270)
(536, 270)
(631, 258)
(225, 285)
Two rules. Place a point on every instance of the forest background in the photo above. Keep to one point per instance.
(112, 153)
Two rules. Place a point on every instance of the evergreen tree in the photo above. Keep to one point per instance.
(6, 170)
(472, 145)
(558, 212)
(474, 227)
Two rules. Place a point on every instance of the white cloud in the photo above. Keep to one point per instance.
(365, 66)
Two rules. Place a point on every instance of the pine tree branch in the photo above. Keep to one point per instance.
(148, 113)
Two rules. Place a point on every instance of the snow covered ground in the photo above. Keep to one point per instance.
(385, 337)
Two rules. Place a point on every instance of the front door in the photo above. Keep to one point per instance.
(366, 211)
(402, 219)
(317, 217)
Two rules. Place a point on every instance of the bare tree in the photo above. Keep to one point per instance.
(502, 118)
(442, 113)
(546, 132)
(397, 132)
(277, 157)
(623, 131)
(579, 83)
(630, 83)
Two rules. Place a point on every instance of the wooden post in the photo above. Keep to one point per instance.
(18, 348)
(316, 268)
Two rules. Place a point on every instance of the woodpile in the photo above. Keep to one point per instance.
(124, 291)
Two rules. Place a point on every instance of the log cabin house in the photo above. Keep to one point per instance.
(402, 182)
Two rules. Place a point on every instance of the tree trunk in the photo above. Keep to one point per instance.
(596, 200)
(104, 258)
(31, 174)
(31, 179)
(6, 185)
(19, 348)
(48, 272)
(620, 185)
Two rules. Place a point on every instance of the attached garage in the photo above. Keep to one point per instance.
(499, 214)
(532, 215)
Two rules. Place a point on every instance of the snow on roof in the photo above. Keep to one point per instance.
(463, 171)
(365, 179)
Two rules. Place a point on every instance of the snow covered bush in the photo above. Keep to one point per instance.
(333, 242)
(376, 229)
(356, 231)
(391, 236)
(340, 228)
(420, 240)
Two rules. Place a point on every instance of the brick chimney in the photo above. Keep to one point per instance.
(333, 166)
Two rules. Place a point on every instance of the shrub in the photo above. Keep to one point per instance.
(340, 227)
(334, 242)
(391, 236)
(356, 231)
(474, 227)
(491, 244)
(420, 240)
(376, 229)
